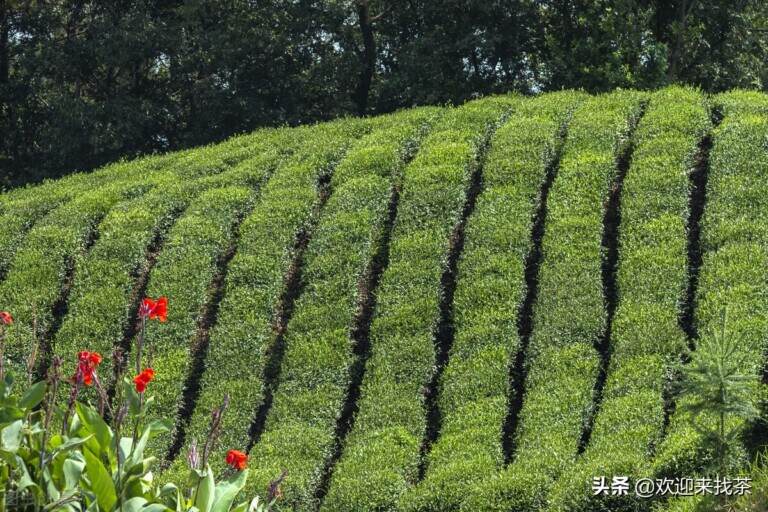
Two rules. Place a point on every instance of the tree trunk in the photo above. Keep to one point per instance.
(676, 55)
(362, 91)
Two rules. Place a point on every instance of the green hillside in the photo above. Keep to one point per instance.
(468, 308)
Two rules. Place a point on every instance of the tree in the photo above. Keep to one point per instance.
(715, 388)
(83, 83)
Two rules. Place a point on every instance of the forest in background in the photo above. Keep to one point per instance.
(83, 83)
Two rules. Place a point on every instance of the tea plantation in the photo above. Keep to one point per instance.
(466, 308)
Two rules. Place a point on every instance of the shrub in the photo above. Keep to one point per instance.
(320, 355)
(489, 292)
(100, 299)
(384, 443)
(569, 315)
(734, 243)
(652, 275)
(240, 341)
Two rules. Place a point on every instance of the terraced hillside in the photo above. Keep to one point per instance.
(469, 308)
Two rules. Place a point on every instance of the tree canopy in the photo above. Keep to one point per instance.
(85, 82)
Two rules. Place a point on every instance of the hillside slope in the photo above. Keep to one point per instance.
(469, 308)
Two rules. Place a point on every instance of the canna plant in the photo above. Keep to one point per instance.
(71, 459)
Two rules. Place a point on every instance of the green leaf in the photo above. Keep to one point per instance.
(25, 481)
(141, 467)
(94, 423)
(71, 444)
(73, 470)
(227, 490)
(134, 400)
(101, 481)
(11, 436)
(49, 484)
(156, 507)
(134, 504)
(150, 431)
(169, 488)
(5, 386)
(9, 414)
(205, 492)
(33, 396)
(126, 443)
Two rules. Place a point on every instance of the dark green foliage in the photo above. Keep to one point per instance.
(84, 83)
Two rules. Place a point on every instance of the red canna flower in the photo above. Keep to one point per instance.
(141, 385)
(237, 459)
(87, 362)
(144, 378)
(6, 318)
(154, 309)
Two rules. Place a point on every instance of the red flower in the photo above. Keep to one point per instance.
(86, 367)
(144, 378)
(237, 459)
(6, 318)
(154, 309)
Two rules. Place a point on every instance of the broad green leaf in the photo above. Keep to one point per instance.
(33, 396)
(126, 443)
(101, 481)
(153, 428)
(134, 504)
(10, 414)
(25, 481)
(206, 490)
(50, 485)
(95, 424)
(70, 444)
(141, 467)
(169, 488)
(157, 507)
(73, 470)
(6, 386)
(227, 490)
(137, 451)
(11, 436)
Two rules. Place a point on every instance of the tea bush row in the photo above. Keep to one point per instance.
(735, 247)
(491, 286)
(570, 312)
(319, 352)
(384, 444)
(241, 339)
(646, 338)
